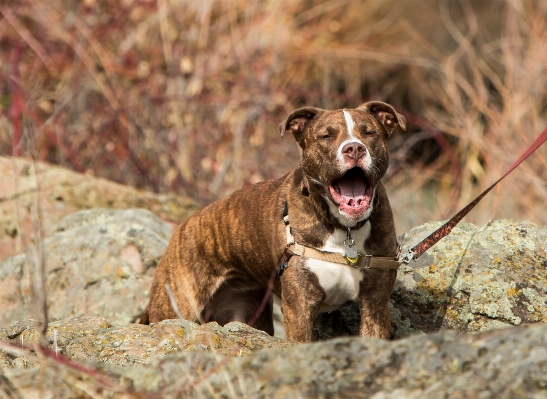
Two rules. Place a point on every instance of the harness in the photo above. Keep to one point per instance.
(351, 258)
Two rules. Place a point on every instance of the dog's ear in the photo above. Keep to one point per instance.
(385, 114)
(298, 120)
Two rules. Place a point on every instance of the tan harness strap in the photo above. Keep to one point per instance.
(309, 252)
(364, 262)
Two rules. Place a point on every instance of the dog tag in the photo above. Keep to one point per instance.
(351, 251)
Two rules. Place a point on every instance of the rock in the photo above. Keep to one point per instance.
(508, 363)
(475, 279)
(420, 367)
(98, 262)
(60, 192)
(92, 339)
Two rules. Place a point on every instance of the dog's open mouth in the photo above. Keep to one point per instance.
(352, 192)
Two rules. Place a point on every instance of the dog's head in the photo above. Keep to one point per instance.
(345, 154)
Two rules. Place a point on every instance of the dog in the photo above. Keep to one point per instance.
(318, 237)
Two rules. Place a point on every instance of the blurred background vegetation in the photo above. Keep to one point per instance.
(185, 96)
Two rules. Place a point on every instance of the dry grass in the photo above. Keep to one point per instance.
(185, 96)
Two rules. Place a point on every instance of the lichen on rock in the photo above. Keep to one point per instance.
(88, 271)
(476, 279)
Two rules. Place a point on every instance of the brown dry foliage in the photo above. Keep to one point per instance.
(185, 96)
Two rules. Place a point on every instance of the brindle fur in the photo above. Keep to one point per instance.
(219, 262)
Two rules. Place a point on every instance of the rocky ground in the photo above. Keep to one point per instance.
(451, 311)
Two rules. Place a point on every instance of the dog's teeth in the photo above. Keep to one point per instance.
(337, 188)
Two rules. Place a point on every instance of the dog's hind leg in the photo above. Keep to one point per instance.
(145, 316)
(174, 296)
(239, 299)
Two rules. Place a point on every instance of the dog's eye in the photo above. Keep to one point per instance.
(328, 134)
(365, 130)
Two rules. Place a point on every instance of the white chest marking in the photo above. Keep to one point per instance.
(340, 282)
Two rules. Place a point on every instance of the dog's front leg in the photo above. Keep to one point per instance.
(373, 301)
(301, 298)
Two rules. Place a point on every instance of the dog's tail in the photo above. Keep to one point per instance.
(145, 316)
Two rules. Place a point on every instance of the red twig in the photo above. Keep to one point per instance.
(265, 299)
(53, 137)
(17, 103)
(92, 373)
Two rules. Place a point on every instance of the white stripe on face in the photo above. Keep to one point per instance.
(349, 123)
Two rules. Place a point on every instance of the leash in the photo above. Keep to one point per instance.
(418, 250)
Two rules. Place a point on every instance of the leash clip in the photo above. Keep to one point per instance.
(407, 257)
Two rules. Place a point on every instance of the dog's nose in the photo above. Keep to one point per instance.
(354, 150)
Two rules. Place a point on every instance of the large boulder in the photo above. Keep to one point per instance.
(508, 363)
(97, 262)
(35, 195)
(473, 280)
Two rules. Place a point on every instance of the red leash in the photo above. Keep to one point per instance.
(415, 252)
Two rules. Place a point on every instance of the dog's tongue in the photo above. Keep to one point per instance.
(352, 187)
